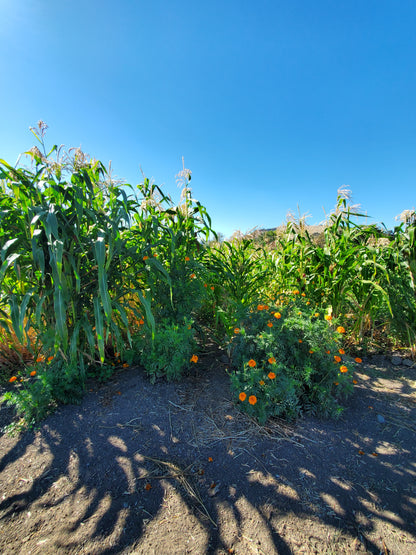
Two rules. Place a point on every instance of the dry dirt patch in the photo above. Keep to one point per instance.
(176, 468)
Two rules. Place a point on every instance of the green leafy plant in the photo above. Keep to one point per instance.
(285, 357)
(239, 273)
(170, 352)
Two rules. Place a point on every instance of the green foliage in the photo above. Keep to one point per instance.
(32, 401)
(240, 273)
(94, 273)
(351, 271)
(169, 353)
(293, 348)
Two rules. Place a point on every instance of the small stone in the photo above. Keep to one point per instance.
(396, 361)
(380, 419)
(408, 362)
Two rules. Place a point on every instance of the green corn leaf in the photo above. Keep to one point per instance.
(89, 333)
(146, 302)
(38, 255)
(18, 314)
(73, 344)
(382, 291)
(39, 310)
(5, 247)
(99, 249)
(60, 316)
(11, 259)
(99, 327)
(51, 225)
(123, 315)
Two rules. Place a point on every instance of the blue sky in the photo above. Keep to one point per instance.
(273, 104)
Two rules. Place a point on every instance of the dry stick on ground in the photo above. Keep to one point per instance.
(136, 427)
(181, 408)
(179, 474)
(398, 422)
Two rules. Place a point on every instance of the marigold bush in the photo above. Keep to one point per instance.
(294, 370)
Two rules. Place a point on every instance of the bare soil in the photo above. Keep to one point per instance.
(175, 468)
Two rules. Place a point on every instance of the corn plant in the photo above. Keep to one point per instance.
(346, 273)
(240, 275)
(65, 259)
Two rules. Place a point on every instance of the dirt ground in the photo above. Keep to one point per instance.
(175, 468)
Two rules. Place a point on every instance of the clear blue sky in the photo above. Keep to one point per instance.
(273, 104)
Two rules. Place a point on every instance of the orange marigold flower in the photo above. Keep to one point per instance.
(210, 459)
(33, 373)
(308, 302)
(354, 382)
(12, 379)
(242, 396)
(328, 317)
(269, 324)
(236, 331)
(336, 383)
(212, 288)
(337, 358)
(340, 329)
(187, 259)
(260, 307)
(141, 321)
(311, 351)
(272, 360)
(252, 399)
(125, 365)
(50, 359)
(192, 276)
(343, 369)
(194, 358)
(277, 315)
(145, 257)
(261, 382)
(251, 363)
(341, 351)
(358, 360)
(300, 341)
(316, 314)
(328, 352)
(271, 375)
(296, 292)
(303, 294)
(266, 307)
(205, 285)
(40, 358)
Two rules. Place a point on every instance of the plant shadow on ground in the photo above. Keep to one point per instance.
(176, 468)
